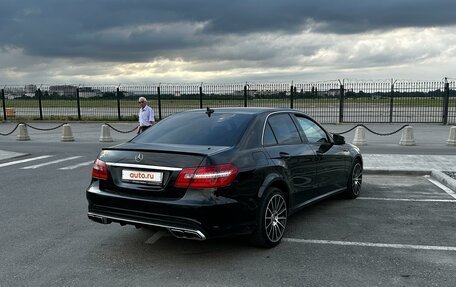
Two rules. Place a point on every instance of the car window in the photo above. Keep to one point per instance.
(284, 129)
(313, 132)
(269, 138)
(220, 129)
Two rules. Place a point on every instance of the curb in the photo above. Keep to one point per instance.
(395, 171)
(444, 179)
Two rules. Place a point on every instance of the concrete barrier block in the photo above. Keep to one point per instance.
(67, 135)
(105, 135)
(22, 134)
(452, 136)
(407, 138)
(360, 137)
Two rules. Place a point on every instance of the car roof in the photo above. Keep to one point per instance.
(248, 110)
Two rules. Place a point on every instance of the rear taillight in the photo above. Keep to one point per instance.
(206, 176)
(100, 170)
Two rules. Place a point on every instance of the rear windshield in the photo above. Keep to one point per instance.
(221, 129)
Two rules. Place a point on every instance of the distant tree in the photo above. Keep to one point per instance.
(350, 94)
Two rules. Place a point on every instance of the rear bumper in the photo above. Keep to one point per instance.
(198, 215)
(176, 231)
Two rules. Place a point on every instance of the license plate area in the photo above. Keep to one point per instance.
(142, 177)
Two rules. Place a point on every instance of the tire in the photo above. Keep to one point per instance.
(271, 219)
(354, 181)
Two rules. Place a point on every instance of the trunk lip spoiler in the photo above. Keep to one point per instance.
(144, 166)
(208, 150)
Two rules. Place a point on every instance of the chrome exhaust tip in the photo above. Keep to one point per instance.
(187, 234)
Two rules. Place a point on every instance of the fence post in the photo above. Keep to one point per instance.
(118, 104)
(79, 103)
(40, 104)
(295, 91)
(391, 103)
(291, 96)
(446, 99)
(245, 96)
(341, 103)
(159, 104)
(201, 96)
(4, 105)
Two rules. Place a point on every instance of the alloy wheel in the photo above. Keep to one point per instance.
(276, 218)
(357, 178)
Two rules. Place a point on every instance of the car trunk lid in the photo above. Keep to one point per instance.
(150, 170)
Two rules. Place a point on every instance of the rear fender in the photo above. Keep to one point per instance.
(269, 180)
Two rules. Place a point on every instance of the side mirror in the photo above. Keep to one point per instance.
(338, 139)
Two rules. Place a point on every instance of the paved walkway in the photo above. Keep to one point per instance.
(404, 162)
(8, 154)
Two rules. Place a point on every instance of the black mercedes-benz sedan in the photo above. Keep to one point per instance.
(216, 172)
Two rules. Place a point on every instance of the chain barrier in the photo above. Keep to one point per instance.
(32, 127)
(122, 132)
(44, 129)
(129, 131)
(7, 134)
(375, 133)
(54, 128)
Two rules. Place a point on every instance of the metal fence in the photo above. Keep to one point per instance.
(328, 102)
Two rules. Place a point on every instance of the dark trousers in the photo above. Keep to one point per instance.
(143, 128)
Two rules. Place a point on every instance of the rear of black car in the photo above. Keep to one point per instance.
(180, 175)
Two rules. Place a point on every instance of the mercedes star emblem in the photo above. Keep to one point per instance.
(139, 157)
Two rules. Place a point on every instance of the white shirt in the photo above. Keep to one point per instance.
(146, 116)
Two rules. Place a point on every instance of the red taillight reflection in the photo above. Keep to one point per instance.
(100, 170)
(207, 176)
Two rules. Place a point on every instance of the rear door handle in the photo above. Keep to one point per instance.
(284, 155)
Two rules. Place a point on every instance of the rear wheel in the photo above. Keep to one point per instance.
(355, 181)
(271, 219)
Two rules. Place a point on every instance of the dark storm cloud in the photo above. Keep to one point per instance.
(140, 30)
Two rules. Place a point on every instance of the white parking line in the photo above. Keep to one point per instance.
(77, 165)
(51, 162)
(369, 244)
(407, 199)
(446, 189)
(24, 160)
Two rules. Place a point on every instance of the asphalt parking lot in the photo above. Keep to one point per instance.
(400, 232)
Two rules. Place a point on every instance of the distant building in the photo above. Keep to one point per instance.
(14, 92)
(88, 92)
(332, 92)
(30, 90)
(63, 90)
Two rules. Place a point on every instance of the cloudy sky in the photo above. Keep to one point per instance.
(170, 41)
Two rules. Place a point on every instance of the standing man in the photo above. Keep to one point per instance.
(146, 115)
